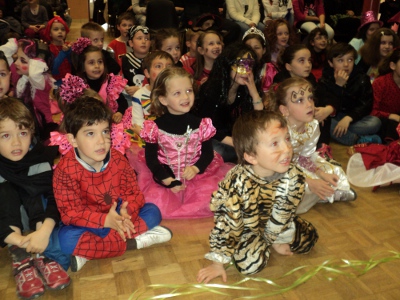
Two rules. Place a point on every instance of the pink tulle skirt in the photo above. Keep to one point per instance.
(193, 202)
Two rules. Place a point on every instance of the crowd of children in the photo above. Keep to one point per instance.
(147, 132)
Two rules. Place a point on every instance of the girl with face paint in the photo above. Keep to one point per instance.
(31, 80)
(294, 99)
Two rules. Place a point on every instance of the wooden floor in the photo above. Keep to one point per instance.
(352, 231)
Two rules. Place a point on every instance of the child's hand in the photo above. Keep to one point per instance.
(131, 90)
(117, 117)
(341, 77)
(320, 188)
(136, 129)
(342, 126)
(282, 249)
(36, 242)
(321, 113)
(212, 271)
(190, 172)
(130, 228)
(66, 47)
(331, 178)
(114, 221)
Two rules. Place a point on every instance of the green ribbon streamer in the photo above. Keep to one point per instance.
(330, 269)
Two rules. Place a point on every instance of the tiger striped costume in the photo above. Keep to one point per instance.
(251, 213)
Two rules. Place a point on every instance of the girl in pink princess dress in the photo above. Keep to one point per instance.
(178, 170)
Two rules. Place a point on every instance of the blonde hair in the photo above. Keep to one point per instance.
(160, 88)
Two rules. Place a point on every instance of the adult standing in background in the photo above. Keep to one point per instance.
(278, 9)
(194, 8)
(309, 14)
(246, 13)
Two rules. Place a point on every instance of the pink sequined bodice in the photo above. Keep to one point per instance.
(178, 151)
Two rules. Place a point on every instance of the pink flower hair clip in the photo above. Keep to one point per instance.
(72, 87)
(80, 45)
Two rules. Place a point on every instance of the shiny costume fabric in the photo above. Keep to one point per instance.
(308, 159)
(251, 213)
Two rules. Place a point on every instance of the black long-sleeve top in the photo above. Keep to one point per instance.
(176, 124)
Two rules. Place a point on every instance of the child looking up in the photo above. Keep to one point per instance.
(168, 40)
(345, 100)
(386, 90)
(91, 68)
(153, 64)
(254, 208)
(294, 99)
(56, 31)
(317, 42)
(180, 170)
(5, 75)
(26, 180)
(101, 206)
(95, 33)
(209, 47)
(120, 45)
(256, 40)
(139, 41)
(189, 57)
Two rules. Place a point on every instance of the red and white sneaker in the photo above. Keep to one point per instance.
(54, 276)
(29, 283)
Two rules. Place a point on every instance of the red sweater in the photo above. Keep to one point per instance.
(386, 96)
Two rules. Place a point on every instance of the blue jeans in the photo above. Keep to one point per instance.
(366, 126)
(227, 152)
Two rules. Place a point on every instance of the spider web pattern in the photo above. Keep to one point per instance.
(84, 199)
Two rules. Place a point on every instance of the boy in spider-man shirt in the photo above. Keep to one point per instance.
(96, 191)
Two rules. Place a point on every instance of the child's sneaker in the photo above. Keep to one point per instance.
(53, 274)
(77, 262)
(29, 284)
(373, 138)
(158, 234)
(341, 195)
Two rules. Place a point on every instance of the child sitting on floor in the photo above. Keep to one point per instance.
(102, 209)
(179, 170)
(26, 182)
(255, 205)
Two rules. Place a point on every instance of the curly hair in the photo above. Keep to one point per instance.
(217, 86)
(160, 88)
(270, 33)
(370, 52)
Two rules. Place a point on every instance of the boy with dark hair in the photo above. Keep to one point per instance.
(152, 65)
(120, 45)
(25, 186)
(254, 208)
(95, 33)
(101, 206)
(345, 100)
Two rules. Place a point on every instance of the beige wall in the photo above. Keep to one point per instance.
(79, 9)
